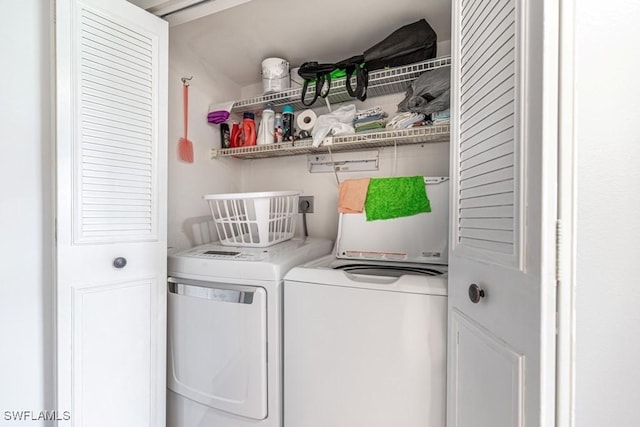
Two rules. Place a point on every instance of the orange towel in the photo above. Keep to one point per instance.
(352, 194)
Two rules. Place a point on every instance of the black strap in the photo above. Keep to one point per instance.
(304, 92)
(323, 85)
(322, 74)
(362, 81)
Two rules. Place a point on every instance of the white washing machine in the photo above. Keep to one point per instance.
(365, 327)
(224, 364)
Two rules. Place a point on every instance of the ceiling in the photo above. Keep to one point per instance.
(234, 41)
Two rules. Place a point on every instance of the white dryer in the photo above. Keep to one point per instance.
(365, 328)
(224, 364)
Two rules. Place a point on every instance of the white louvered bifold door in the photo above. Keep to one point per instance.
(486, 133)
(117, 174)
(111, 197)
(501, 321)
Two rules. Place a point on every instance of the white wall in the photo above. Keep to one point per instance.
(188, 182)
(608, 220)
(25, 256)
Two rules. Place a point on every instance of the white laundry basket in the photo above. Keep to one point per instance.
(254, 219)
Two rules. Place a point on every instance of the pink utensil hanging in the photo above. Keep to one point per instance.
(185, 147)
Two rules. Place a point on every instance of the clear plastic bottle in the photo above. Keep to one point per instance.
(278, 128)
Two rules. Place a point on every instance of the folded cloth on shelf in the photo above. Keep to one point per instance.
(217, 117)
(373, 111)
(219, 113)
(396, 197)
(406, 120)
(369, 119)
(351, 195)
(370, 126)
(440, 117)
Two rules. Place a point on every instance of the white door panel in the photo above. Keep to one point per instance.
(112, 349)
(480, 358)
(504, 208)
(111, 71)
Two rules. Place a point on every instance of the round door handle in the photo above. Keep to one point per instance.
(475, 293)
(119, 262)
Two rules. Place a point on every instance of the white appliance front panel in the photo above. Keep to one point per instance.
(359, 357)
(218, 346)
(421, 238)
(213, 262)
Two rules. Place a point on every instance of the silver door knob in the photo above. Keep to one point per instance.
(119, 262)
(475, 293)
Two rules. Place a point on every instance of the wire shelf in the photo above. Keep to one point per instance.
(381, 82)
(358, 141)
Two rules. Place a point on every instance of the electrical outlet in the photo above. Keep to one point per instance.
(305, 204)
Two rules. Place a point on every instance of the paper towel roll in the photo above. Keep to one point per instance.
(306, 119)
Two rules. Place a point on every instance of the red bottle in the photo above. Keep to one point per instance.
(249, 136)
(236, 135)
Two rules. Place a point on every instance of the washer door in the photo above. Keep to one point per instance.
(217, 340)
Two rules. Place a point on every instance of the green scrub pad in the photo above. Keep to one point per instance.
(396, 197)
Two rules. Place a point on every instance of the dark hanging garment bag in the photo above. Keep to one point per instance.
(409, 44)
(412, 43)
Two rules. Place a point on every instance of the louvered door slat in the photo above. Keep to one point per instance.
(503, 187)
(486, 135)
(501, 175)
(488, 33)
(489, 167)
(501, 91)
(484, 245)
(476, 70)
(102, 88)
(97, 54)
(500, 102)
(109, 115)
(91, 116)
(93, 62)
(473, 12)
(104, 77)
(486, 126)
(115, 187)
(129, 151)
(112, 40)
(472, 157)
(116, 158)
(96, 151)
(498, 72)
(116, 108)
(113, 131)
(96, 138)
(489, 223)
(114, 72)
(489, 235)
(120, 214)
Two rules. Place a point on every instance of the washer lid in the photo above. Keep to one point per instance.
(428, 279)
(388, 270)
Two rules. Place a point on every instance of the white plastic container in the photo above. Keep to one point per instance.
(275, 75)
(254, 219)
(267, 125)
